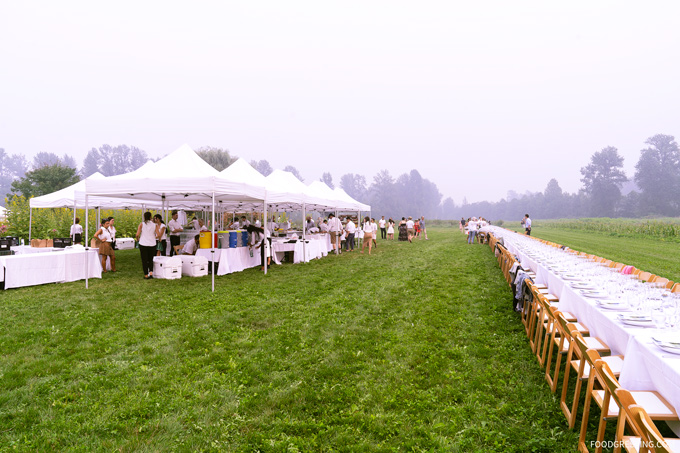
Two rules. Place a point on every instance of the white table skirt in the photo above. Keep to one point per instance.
(645, 366)
(232, 259)
(56, 267)
(313, 249)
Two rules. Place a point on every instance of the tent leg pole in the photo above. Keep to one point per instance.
(30, 223)
(212, 242)
(87, 246)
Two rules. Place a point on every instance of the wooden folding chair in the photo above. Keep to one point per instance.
(578, 347)
(644, 276)
(647, 437)
(655, 405)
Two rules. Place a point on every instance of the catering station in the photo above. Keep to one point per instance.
(184, 181)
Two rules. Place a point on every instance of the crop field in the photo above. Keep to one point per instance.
(414, 348)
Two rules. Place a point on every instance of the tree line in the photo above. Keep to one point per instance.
(653, 190)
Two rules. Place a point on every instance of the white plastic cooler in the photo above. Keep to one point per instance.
(167, 267)
(194, 266)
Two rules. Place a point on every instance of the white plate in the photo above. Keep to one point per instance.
(666, 348)
(579, 285)
(670, 340)
(636, 320)
(595, 294)
(572, 277)
(613, 305)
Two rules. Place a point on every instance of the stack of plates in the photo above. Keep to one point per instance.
(583, 285)
(633, 319)
(570, 276)
(669, 343)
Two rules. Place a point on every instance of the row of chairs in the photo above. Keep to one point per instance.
(564, 347)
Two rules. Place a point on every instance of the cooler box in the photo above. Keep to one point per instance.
(194, 266)
(233, 239)
(204, 240)
(244, 239)
(223, 239)
(125, 243)
(167, 267)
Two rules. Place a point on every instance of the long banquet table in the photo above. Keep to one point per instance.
(317, 246)
(28, 269)
(645, 366)
(232, 259)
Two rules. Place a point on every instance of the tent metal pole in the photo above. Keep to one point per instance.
(212, 242)
(73, 236)
(304, 229)
(266, 243)
(30, 223)
(87, 245)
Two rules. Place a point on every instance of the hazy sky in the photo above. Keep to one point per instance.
(480, 97)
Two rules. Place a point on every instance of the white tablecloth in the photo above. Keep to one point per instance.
(317, 247)
(31, 269)
(233, 259)
(645, 366)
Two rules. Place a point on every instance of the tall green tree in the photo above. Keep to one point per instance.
(327, 179)
(657, 173)
(113, 160)
(355, 186)
(382, 195)
(12, 168)
(44, 180)
(262, 166)
(602, 180)
(553, 198)
(294, 171)
(218, 158)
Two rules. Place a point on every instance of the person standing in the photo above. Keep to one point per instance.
(146, 237)
(410, 230)
(175, 229)
(403, 232)
(368, 235)
(472, 230)
(160, 235)
(383, 231)
(77, 232)
(390, 229)
(375, 233)
(527, 224)
(350, 228)
(423, 231)
(335, 228)
(112, 231)
(105, 249)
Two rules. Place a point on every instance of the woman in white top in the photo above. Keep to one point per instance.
(368, 235)
(375, 232)
(146, 236)
(105, 249)
(160, 235)
(390, 229)
(77, 232)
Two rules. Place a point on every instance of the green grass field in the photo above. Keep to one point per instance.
(652, 254)
(414, 348)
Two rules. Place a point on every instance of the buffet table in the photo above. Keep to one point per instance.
(603, 309)
(317, 246)
(64, 265)
(233, 259)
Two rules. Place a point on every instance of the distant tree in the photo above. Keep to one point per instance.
(218, 158)
(12, 168)
(355, 186)
(602, 180)
(657, 173)
(448, 210)
(262, 166)
(553, 200)
(294, 171)
(44, 180)
(327, 178)
(43, 159)
(382, 195)
(110, 161)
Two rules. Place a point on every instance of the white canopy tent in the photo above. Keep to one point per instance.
(181, 178)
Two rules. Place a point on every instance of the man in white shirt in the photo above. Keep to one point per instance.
(175, 229)
(410, 229)
(191, 247)
(244, 223)
(471, 226)
(527, 224)
(350, 228)
(335, 227)
(383, 231)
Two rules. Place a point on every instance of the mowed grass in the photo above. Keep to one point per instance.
(652, 255)
(414, 348)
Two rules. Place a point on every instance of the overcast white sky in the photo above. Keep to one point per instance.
(480, 97)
